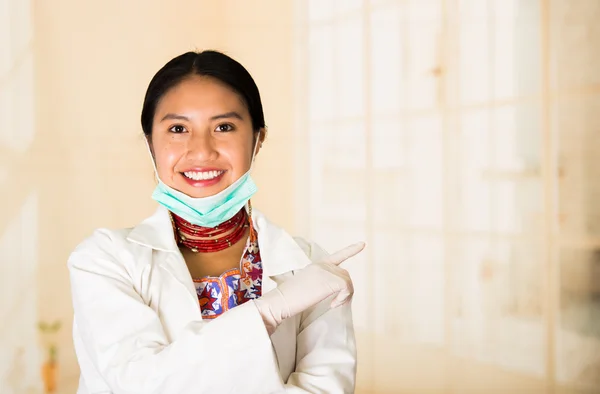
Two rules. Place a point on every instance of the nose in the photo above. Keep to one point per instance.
(201, 147)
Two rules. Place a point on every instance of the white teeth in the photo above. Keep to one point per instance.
(202, 176)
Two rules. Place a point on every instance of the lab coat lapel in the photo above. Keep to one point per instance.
(156, 232)
(280, 253)
(175, 265)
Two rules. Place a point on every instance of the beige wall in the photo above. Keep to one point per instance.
(259, 35)
(93, 63)
(87, 167)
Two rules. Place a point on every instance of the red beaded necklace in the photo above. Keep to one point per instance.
(205, 239)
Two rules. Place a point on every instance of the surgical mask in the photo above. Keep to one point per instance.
(207, 211)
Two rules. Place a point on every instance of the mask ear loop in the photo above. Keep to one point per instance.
(173, 226)
(152, 159)
(253, 233)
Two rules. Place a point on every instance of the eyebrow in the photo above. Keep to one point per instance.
(231, 114)
(175, 116)
(226, 115)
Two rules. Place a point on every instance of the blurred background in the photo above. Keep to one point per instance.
(459, 138)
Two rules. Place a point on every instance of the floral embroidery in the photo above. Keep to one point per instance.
(234, 287)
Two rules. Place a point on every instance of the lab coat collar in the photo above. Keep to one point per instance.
(280, 253)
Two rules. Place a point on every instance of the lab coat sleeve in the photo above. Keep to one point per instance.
(125, 341)
(326, 347)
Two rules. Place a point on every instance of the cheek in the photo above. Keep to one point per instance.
(238, 154)
(167, 155)
(243, 160)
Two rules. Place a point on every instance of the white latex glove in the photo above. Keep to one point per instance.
(309, 286)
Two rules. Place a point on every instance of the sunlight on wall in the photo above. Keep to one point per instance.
(439, 134)
(20, 355)
(20, 350)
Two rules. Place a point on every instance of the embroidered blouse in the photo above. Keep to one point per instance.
(233, 287)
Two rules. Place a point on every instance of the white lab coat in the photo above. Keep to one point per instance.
(138, 327)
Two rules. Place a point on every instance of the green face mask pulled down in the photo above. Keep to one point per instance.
(206, 211)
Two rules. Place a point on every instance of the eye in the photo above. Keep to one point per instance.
(177, 129)
(223, 128)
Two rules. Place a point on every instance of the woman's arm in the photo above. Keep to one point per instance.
(124, 339)
(326, 345)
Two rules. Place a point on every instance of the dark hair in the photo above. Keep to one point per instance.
(207, 63)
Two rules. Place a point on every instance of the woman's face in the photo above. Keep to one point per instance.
(202, 137)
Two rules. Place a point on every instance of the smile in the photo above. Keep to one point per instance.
(202, 176)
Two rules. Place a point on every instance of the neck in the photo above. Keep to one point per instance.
(214, 264)
(207, 240)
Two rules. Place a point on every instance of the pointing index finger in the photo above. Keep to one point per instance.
(343, 254)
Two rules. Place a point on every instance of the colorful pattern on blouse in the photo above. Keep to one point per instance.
(234, 287)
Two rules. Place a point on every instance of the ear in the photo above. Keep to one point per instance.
(149, 144)
(262, 134)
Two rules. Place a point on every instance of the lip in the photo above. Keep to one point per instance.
(203, 182)
(201, 169)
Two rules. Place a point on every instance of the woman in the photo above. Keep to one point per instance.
(206, 295)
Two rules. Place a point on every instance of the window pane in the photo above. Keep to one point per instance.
(517, 139)
(20, 339)
(425, 161)
(499, 305)
(474, 51)
(409, 286)
(424, 289)
(514, 173)
(17, 107)
(6, 113)
(575, 39)
(387, 60)
(5, 36)
(577, 124)
(23, 128)
(321, 89)
(504, 44)
(20, 26)
(500, 186)
(343, 7)
(391, 299)
(391, 195)
(337, 170)
(343, 145)
(424, 47)
(388, 140)
(349, 67)
(578, 336)
(516, 48)
(391, 199)
(474, 154)
(320, 10)
(343, 194)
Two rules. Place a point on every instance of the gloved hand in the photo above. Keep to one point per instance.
(309, 286)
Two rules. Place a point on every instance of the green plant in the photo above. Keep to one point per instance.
(49, 329)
